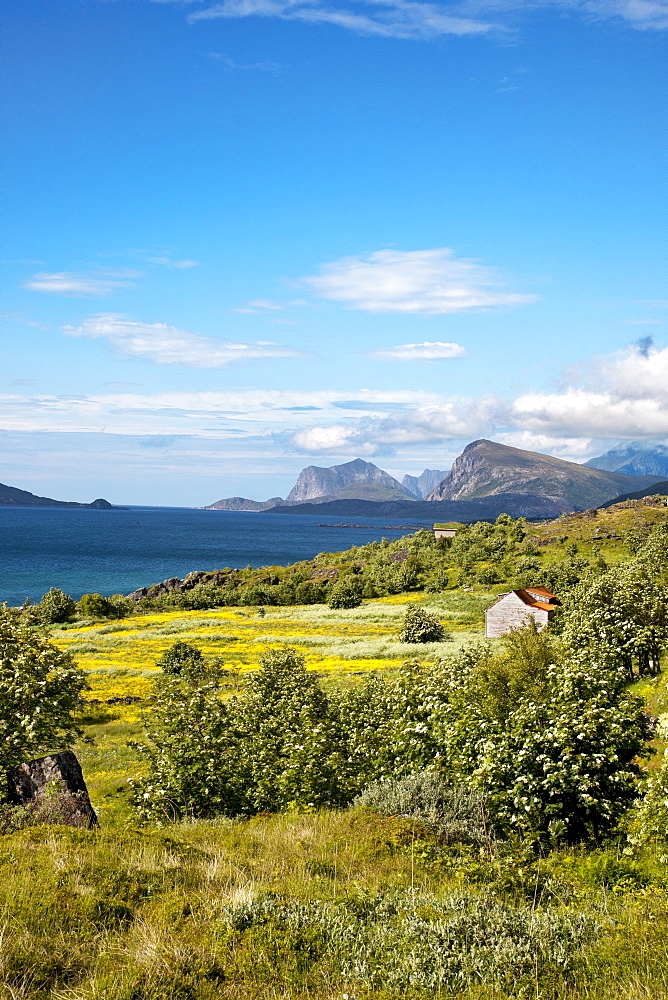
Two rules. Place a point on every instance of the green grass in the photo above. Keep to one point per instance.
(287, 906)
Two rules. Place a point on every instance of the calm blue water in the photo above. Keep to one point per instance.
(116, 551)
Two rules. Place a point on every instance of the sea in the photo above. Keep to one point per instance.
(117, 551)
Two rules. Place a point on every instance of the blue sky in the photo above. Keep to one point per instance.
(247, 236)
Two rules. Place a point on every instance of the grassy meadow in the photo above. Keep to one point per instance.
(332, 904)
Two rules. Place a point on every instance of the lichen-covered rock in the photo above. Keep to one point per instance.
(55, 786)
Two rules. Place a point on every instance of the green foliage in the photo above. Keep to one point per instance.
(292, 744)
(95, 606)
(40, 694)
(389, 944)
(455, 812)
(421, 626)
(55, 607)
(346, 593)
(648, 822)
(553, 744)
(192, 756)
(122, 606)
(620, 618)
(279, 747)
(181, 658)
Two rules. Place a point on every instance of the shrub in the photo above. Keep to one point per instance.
(95, 606)
(292, 743)
(278, 747)
(192, 756)
(554, 744)
(122, 606)
(648, 826)
(181, 658)
(40, 693)
(421, 626)
(457, 813)
(346, 593)
(55, 606)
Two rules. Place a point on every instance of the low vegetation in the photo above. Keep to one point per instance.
(356, 797)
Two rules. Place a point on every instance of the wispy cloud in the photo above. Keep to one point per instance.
(165, 260)
(229, 63)
(11, 317)
(80, 284)
(388, 18)
(258, 306)
(168, 345)
(427, 351)
(413, 19)
(430, 282)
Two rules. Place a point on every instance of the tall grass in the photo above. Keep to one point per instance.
(320, 906)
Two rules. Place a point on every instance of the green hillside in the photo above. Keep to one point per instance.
(380, 897)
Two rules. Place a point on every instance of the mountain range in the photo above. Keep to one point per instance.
(484, 469)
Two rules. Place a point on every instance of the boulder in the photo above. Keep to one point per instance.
(53, 785)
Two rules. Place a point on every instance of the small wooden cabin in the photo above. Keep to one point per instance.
(448, 530)
(515, 609)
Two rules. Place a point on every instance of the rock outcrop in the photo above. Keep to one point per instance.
(241, 503)
(486, 468)
(54, 787)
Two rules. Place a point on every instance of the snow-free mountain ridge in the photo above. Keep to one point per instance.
(635, 458)
(486, 467)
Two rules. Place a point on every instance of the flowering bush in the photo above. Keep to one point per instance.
(55, 606)
(421, 626)
(40, 693)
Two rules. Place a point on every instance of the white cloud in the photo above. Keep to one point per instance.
(169, 262)
(247, 412)
(388, 18)
(621, 396)
(624, 395)
(427, 282)
(168, 345)
(82, 285)
(421, 352)
(435, 422)
(412, 19)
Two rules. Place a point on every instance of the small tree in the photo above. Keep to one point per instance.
(421, 626)
(55, 606)
(553, 742)
(95, 606)
(347, 593)
(182, 658)
(292, 742)
(40, 693)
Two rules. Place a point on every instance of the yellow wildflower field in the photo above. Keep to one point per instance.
(120, 657)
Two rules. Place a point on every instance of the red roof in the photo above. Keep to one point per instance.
(528, 597)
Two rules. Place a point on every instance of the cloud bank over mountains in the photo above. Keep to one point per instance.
(620, 396)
